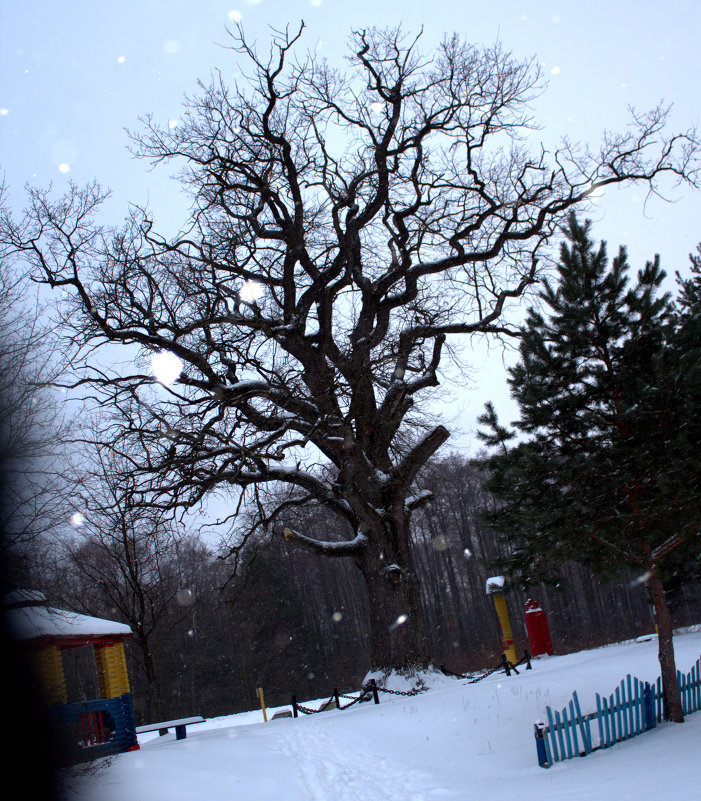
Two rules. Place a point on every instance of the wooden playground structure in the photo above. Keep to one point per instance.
(95, 726)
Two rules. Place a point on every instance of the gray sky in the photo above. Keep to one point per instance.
(74, 75)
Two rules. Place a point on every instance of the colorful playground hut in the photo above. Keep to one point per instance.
(97, 727)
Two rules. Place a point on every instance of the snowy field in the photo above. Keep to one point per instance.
(456, 741)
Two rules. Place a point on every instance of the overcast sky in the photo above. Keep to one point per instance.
(75, 74)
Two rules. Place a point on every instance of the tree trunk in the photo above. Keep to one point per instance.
(397, 639)
(668, 669)
(148, 668)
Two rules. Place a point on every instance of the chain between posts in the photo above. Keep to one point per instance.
(415, 691)
(505, 665)
(371, 689)
(306, 710)
(366, 692)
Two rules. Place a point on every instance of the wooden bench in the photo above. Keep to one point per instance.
(179, 725)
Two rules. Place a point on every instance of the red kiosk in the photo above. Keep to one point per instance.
(537, 628)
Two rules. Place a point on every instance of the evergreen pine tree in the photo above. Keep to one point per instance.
(604, 471)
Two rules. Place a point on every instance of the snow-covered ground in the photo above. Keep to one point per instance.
(454, 742)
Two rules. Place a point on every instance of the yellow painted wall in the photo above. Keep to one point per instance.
(111, 670)
(48, 667)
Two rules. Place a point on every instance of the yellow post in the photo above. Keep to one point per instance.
(48, 666)
(495, 587)
(262, 703)
(111, 670)
(507, 640)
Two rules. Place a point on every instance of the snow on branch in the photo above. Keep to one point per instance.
(343, 548)
(418, 500)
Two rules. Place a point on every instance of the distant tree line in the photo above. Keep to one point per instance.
(290, 622)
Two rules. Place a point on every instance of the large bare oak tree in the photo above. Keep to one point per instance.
(345, 228)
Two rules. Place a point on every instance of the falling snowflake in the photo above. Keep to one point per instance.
(251, 291)
(166, 367)
(641, 579)
(185, 597)
(400, 621)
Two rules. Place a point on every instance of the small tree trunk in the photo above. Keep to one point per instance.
(668, 669)
(148, 668)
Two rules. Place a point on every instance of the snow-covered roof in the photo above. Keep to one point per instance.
(35, 622)
(495, 584)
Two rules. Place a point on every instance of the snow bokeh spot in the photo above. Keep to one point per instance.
(400, 621)
(185, 597)
(251, 291)
(641, 579)
(166, 367)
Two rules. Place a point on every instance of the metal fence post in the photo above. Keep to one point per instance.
(505, 664)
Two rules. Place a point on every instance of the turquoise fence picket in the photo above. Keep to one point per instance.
(632, 708)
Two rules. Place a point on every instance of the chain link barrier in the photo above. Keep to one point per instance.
(365, 694)
(307, 711)
(415, 691)
(369, 691)
(505, 665)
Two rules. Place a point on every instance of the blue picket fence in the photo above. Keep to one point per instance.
(633, 708)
